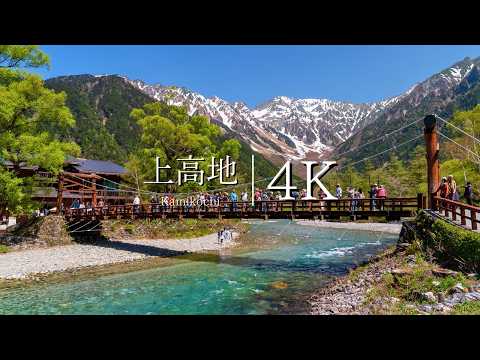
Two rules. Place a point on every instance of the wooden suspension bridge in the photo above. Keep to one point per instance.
(391, 209)
(458, 213)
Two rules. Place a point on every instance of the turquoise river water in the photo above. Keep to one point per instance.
(279, 264)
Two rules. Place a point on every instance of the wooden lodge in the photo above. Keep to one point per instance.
(87, 180)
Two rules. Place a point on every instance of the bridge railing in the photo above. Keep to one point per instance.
(240, 208)
(457, 211)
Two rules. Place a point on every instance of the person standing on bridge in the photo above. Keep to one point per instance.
(452, 188)
(443, 188)
(233, 199)
(264, 201)
(373, 195)
(350, 196)
(244, 198)
(338, 191)
(358, 196)
(468, 194)
(381, 195)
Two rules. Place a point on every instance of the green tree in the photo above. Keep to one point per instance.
(26, 109)
(417, 172)
(463, 165)
(168, 132)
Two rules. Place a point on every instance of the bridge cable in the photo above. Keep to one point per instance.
(381, 138)
(383, 152)
(91, 229)
(194, 192)
(457, 128)
(99, 185)
(156, 193)
(461, 146)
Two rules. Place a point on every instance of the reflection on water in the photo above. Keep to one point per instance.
(277, 266)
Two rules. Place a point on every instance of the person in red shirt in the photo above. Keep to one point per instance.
(381, 195)
(443, 188)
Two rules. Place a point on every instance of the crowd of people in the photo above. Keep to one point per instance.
(262, 196)
(378, 193)
(448, 189)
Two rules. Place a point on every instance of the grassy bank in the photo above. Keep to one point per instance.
(435, 263)
(448, 243)
(402, 291)
(167, 228)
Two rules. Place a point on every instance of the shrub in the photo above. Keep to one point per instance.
(463, 245)
(129, 228)
(450, 242)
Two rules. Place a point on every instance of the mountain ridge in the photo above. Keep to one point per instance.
(288, 128)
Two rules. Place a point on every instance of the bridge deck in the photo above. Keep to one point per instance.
(393, 208)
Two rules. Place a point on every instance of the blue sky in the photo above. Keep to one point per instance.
(255, 74)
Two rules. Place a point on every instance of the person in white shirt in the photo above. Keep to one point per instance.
(338, 191)
(136, 204)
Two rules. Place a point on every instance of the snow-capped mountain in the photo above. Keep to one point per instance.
(306, 128)
(294, 128)
(454, 88)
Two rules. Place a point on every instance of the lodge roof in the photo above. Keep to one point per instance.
(81, 165)
(96, 166)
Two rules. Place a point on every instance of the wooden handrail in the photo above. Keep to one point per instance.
(450, 206)
(457, 203)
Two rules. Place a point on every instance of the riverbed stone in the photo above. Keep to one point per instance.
(459, 288)
(440, 272)
(30, 263)
(429, 296)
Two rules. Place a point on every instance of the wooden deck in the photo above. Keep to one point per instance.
(391, 209)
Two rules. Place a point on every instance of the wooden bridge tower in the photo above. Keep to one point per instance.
(433, 162)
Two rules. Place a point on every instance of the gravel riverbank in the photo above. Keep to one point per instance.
(22, 264)
(391, 228)
(346, 295)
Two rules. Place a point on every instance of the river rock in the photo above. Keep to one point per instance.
(440, 272)
(402, 246)
(411, 259)
(441, 297)
(425, 308)
(401, 272)
(429, 296)
(458, 288)
(442, 308)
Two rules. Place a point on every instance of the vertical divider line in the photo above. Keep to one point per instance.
(252, 194)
